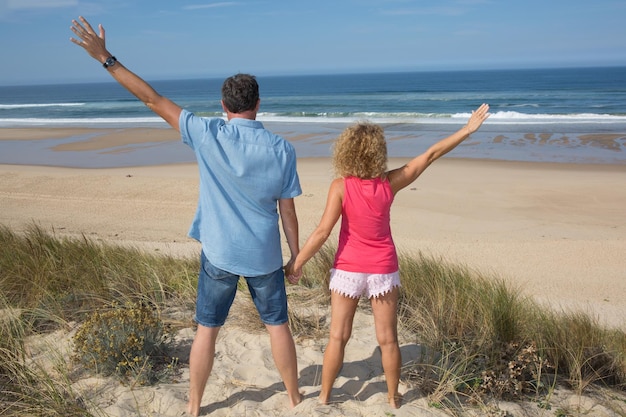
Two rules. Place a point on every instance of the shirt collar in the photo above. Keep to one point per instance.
(246, 122)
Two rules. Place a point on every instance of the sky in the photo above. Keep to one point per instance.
(173, 39)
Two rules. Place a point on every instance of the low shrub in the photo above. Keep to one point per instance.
(130, 341)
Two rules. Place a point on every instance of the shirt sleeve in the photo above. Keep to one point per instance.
(194, 129)
(291, 186)
(184, 120)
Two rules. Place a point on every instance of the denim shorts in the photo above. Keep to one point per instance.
(217, 289)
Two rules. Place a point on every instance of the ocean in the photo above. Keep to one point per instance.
(545, 115)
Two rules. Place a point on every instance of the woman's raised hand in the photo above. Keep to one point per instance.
(478, 117)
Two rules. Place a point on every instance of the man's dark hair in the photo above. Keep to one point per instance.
(240, 93)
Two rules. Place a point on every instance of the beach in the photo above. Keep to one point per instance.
(554, 231)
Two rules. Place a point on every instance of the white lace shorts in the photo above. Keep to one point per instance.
(356, 284)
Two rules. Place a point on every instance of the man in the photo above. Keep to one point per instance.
(245, 172)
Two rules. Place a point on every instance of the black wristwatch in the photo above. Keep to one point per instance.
(109, 62)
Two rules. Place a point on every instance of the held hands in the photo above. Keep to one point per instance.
(477, 118)
(93, 43)
(293, 275)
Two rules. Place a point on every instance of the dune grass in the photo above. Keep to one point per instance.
(482, 339)
(48, 282)
(65, 278)
(479, 338)
(26, 388)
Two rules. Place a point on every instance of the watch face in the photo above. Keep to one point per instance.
(109, 62)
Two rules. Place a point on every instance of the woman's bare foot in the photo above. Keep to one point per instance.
(395, 401)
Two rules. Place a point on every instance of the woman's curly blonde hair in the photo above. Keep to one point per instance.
(361, 151)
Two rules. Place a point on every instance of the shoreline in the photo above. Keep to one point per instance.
(555, 231)
(108, 147)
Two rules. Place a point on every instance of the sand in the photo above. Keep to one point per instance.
(556, 232)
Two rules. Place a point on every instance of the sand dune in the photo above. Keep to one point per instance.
(556, 232)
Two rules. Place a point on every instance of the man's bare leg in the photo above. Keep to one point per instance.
(200, 365)
(284, 353)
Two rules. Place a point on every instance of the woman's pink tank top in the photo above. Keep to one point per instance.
(365, 242)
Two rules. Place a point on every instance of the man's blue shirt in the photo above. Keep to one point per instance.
(244, 171)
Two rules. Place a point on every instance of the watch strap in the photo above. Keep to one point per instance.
(110, 61)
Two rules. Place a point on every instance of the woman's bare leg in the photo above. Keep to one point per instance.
(385, 309)
(342, 311)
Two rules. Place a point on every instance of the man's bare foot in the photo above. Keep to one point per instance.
(323, 399)
(395, 401)
(193, 413)
(295, 401)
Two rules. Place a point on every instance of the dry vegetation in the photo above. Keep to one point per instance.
(481, 341)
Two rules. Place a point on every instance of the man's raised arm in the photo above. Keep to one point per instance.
(95, 45)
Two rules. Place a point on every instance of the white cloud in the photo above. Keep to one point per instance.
(36, 4)
(210, 5)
